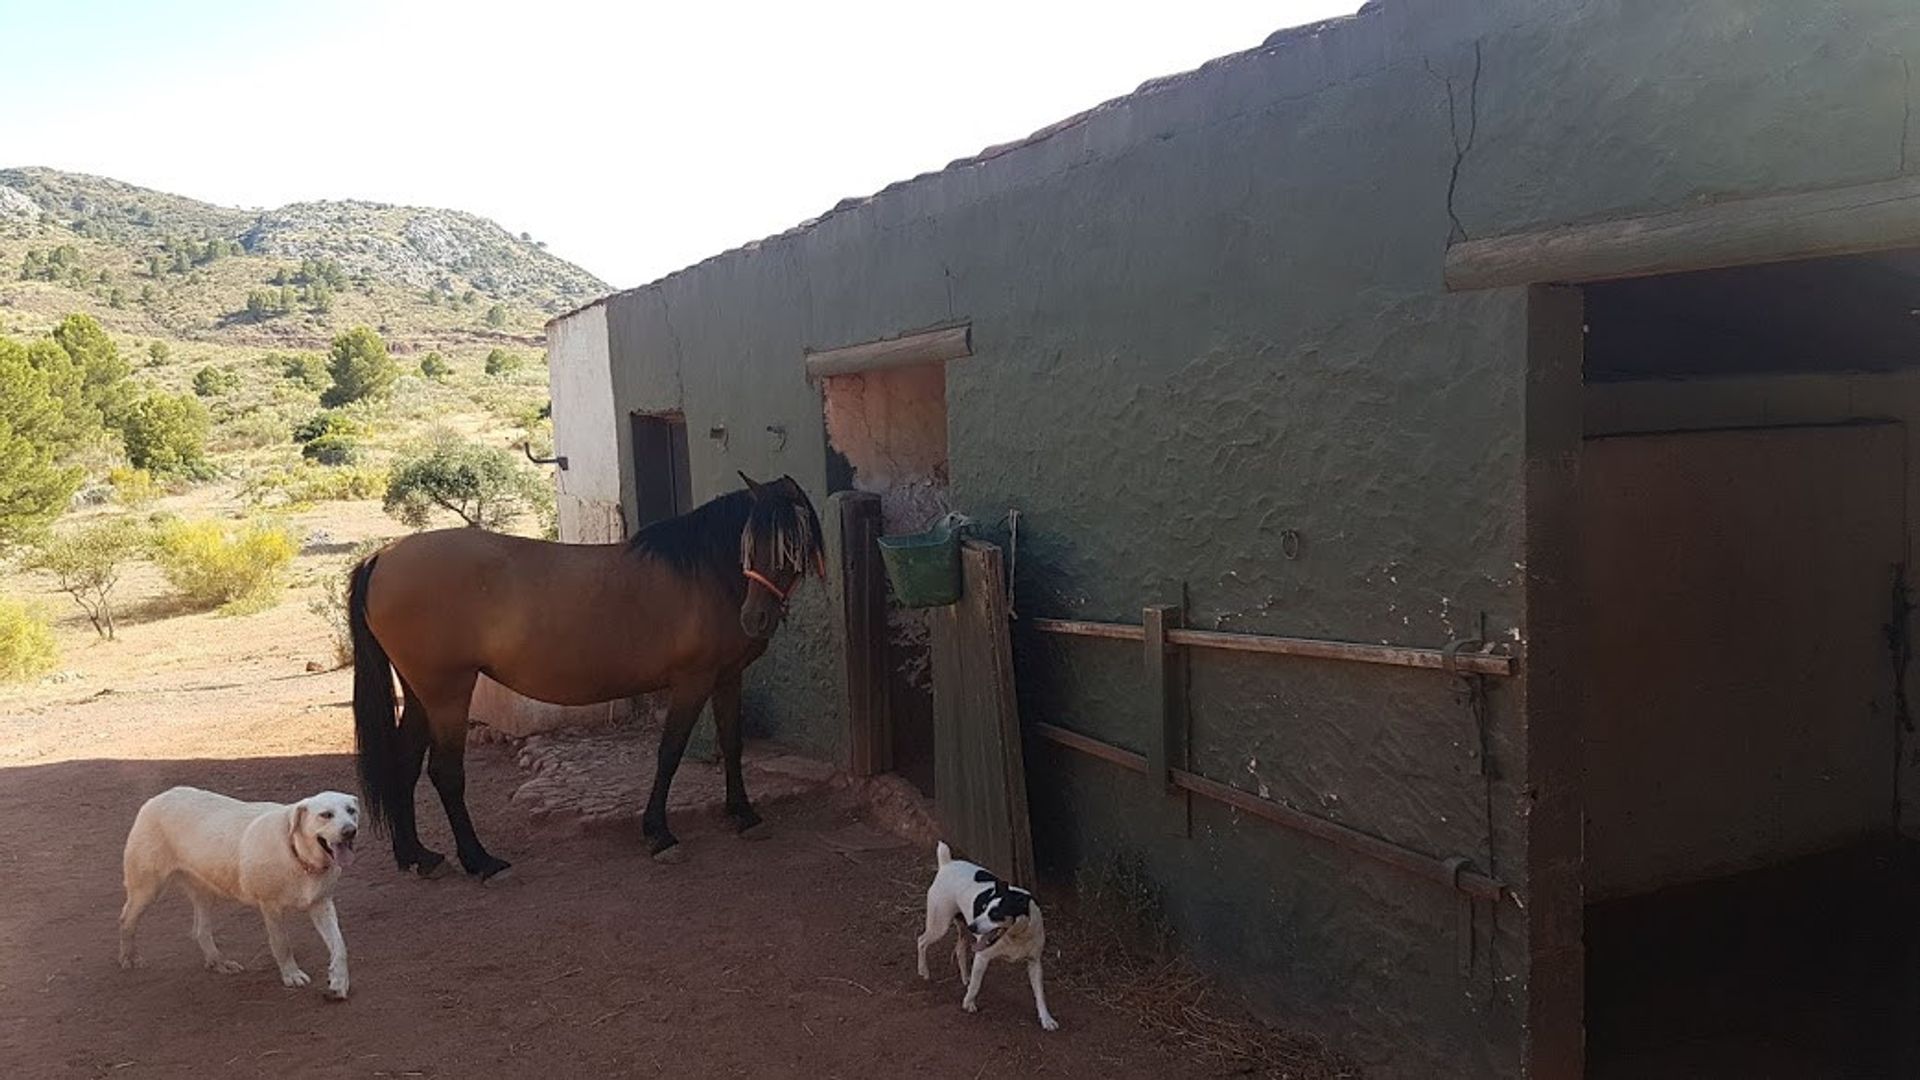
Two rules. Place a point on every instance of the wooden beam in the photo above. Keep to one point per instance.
(1770, 228)
(1311, 648)
(864, 606)
(930, 347)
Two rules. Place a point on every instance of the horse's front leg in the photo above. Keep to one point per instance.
(682, 711)
(726, 722)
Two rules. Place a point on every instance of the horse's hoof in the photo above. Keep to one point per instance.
(430, 865)
(672, 855)
(759, 830)
(499, 875)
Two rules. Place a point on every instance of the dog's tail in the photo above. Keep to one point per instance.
(943, 853)
(375, 735)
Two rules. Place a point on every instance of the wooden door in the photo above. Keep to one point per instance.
(980, 790)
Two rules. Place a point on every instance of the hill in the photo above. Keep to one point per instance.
(153, 264)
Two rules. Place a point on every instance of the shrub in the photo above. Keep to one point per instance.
(307, 369)
(234, 569)
(87, 561)
(359, 366)
(481, 485)
(433, 367)
(502, 362)
(324, 423)
(332, 449)
(497, 316)
(211, 381)
(159, 351)
(133, 487)
(304, 484)
(165, 433)
(26, 642)
(331, 604)
(34, 488)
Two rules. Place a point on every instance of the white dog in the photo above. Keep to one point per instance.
(277, 858)
(1003, 921)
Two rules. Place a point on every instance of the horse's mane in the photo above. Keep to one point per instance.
(719, 536)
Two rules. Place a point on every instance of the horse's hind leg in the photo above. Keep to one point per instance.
(408, 851)
(726, 722)
(682, 712)
(447, 768)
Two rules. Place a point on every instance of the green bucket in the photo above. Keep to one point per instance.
(924, 567)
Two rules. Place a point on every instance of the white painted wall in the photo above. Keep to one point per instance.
(585, 427)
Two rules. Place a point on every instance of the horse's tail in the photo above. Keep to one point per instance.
(375, 735)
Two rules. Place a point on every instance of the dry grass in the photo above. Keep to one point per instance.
(1183, 1010)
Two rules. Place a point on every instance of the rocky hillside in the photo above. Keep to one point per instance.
(427, 250)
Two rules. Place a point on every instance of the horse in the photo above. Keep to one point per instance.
(684, 607)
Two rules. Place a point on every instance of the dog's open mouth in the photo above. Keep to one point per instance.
(340, 851)
(986, 940)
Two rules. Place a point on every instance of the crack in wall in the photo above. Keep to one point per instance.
(1460, 148)
(1906, 109)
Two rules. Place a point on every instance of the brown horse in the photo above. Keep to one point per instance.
(684, 607)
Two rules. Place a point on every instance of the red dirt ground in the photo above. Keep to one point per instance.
(780, 958)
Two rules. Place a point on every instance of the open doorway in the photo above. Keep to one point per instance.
(890, 426)
(1745, 516)
(662, 476)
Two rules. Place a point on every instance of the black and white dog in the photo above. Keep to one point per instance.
(1003, 922)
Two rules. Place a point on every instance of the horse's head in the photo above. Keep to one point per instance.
(779, 547)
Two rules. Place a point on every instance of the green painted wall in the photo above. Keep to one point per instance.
(1213, 312)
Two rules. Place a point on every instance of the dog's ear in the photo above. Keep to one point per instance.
(296, 818)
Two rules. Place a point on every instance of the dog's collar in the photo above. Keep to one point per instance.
(294, 846)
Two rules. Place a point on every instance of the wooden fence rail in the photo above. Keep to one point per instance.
(1166, 765)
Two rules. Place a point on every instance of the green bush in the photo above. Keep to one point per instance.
(134, 488)
(26, 642)
(497, 316)
(359, 366)
(502, 362)
(481, 485)
(165, 434)
(87, 562)
(324, 423)
(159, 351)
(305, 484)
(34, 487)
(211, 381)
(237, 569)
(332, 449)
(307, 369)
(433, 367)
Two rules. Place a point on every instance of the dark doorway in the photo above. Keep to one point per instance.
(663, 486)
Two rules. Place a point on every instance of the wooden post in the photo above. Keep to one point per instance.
(1166, 672)
(864, 603)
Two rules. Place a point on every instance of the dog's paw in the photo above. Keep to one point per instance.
(1048, 1023)
(335, 992)
(924, 974)
(226, 967)
(131, 963)
(295, 979)
(970, 1006)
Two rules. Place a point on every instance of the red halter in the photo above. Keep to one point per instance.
(764, 582)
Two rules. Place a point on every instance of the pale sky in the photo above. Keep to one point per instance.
(635, 138)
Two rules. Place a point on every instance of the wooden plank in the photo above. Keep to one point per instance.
(1348, 651)
(1771, 228)
(930, 347)
(1405, 859)
(980, 792)
(863, 604)
(1166, 744)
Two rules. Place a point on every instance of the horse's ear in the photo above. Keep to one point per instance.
(789, 487)
(752, 486)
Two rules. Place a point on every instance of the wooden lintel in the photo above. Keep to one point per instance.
(930, 347)
(1853, 220)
